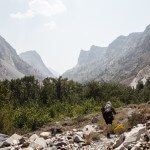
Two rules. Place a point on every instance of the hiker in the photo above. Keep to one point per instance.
(108, 111)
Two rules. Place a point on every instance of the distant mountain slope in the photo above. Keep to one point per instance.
(11, 65)
(55, 73)
(34, 59)
(121, 60)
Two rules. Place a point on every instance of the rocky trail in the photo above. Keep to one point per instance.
(88, 137)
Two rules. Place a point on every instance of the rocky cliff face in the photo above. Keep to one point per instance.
(88, 61)
(143, 75)
(122, 59)
(11, 65)
(96, 53)
(34, 59)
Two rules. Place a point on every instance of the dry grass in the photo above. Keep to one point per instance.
(94, 136)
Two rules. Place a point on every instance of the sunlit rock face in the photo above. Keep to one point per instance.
(34, 59)
(142, 76)
(12, 66)
(122, 59)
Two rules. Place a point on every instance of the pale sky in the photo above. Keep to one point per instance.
(59, 29)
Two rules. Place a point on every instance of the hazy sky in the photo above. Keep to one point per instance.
(59, 29)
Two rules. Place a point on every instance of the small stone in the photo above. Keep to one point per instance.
(56, 130)
(51, 148)
(80, 133)
(49, 143)
(74, 130)
(25, 144)
(148, 125)
(95, 119)
(35, 146)
(147, 116)
(60, 144)
(69, 137)
(5, 148)
(77, 139)
(28, 148)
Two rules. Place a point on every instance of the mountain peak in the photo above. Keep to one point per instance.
(93, 47)
(34, 59)
(31, 52)
(95, 53)
(11, 65)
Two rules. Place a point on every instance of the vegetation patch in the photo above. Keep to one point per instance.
(26, 105)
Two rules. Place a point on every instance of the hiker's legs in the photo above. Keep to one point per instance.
(109, 130)
(108, 121)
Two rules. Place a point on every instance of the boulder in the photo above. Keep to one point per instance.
(134, 135)
(119, 141)
(4, 144)
(45, 135)
(3, 136)
(15, 139)
(39, 143)
(35, 146)
(33, 138)
(87, 130)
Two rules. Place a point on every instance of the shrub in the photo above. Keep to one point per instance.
(119, 129)
(135, 118)
(20, 120)
(95, 136)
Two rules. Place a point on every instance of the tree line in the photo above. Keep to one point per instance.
(26, 104)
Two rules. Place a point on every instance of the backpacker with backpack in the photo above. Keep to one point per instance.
(107, 112)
